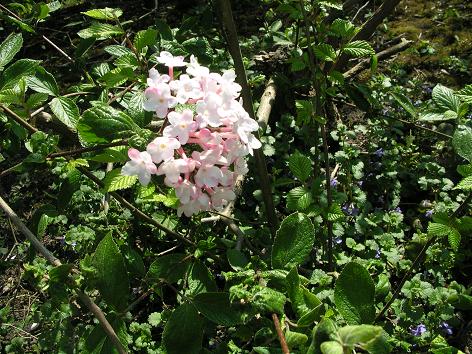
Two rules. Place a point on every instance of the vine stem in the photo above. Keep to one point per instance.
(280, 334)
(18, 119)
(418, 259)
(87, 149)
(235, 51)
(88, 302)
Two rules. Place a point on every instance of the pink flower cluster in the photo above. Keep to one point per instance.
(202, 149)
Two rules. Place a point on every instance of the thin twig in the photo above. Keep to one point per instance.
(18, 119)
(280, 334)
(58, 49)
(38, 246)
(87, 149)
(235, 51)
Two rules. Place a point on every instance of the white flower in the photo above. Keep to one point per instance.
(162, 148)
(221, 197)
(186, 88)
(140, 165)
(181, 124)
(155, 78)
(159, 99)
(208, 109)
(209, 176)
(170, 61)
(172, 169)
(186, 191)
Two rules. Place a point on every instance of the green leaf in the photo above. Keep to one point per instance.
(342, 28)
(9, 48)
(116, 154)
(112, 276)
(102, 123)
(465, 94)
(465, 184)
(405, 103)
(454, 238)
(445, 98)
(332, 347)
(217, 308)
(183, 332)
(360, 335)
(325, 52)
(65, 110)
(236, 259)
(437, 116)
(35, 99)
(293, 241)
(19, 69)
(461, 301)
(322, 332)
(268, 300)
(335, 213)
(117, 76)
(106, 13)
(117, 50)
(145, 38)
(200, 279)
(299, 199)
(358, 49)
(300, 166)
(304, 111)
(354, 294)
(462, 142)
(169, 268)
(164, 30)
(100, 31)
(43, 82)
(114, 181)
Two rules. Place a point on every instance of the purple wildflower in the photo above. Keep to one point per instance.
(418, 330)
(429, 213)
(446, 328)
(360, 183)
(379, 152)
(334, 182)
(350, 210)
(398, 210)
(338, 240)
(378, 253)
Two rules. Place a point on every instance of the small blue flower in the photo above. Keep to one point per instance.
(429, 213)
(334, 182)
(378, 253)
(338, 240)
(446, 328)
(360, 183)
(398, 210)
(350, 210)
(418, 330)
(379, 152)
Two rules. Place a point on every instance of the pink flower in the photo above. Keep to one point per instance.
(186, 191)
(155, 78)
(159, 99)
(208, 110)
(172, 169)
(221, 197)
(181, 125)
(162, 149)
(140, 165)
(209, 176)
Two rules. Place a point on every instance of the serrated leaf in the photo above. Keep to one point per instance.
(299, 199)
(183, 332)
(436, 229)
(462, 142)
(335, 213)
(66, 111)
(112, 276)
(170, 268)
(100, 31)
(300, 165)
(117, 50)
(304, 111)
(325, 52)
(117, 154)
(145, 38)
(445, 98)
(354, 294)
(127, 61)
(114, 181)
(103, 123)
(217, 308)
(343, 28)
(9, 48)
(19, 69)
(465, 170)
(106, 13)
(435, 117)
(293, 241)
(43, 82)
(465, 94)
(454, 238)
(35, 99)
(358, 49)
(117, 76)
(465, 184)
